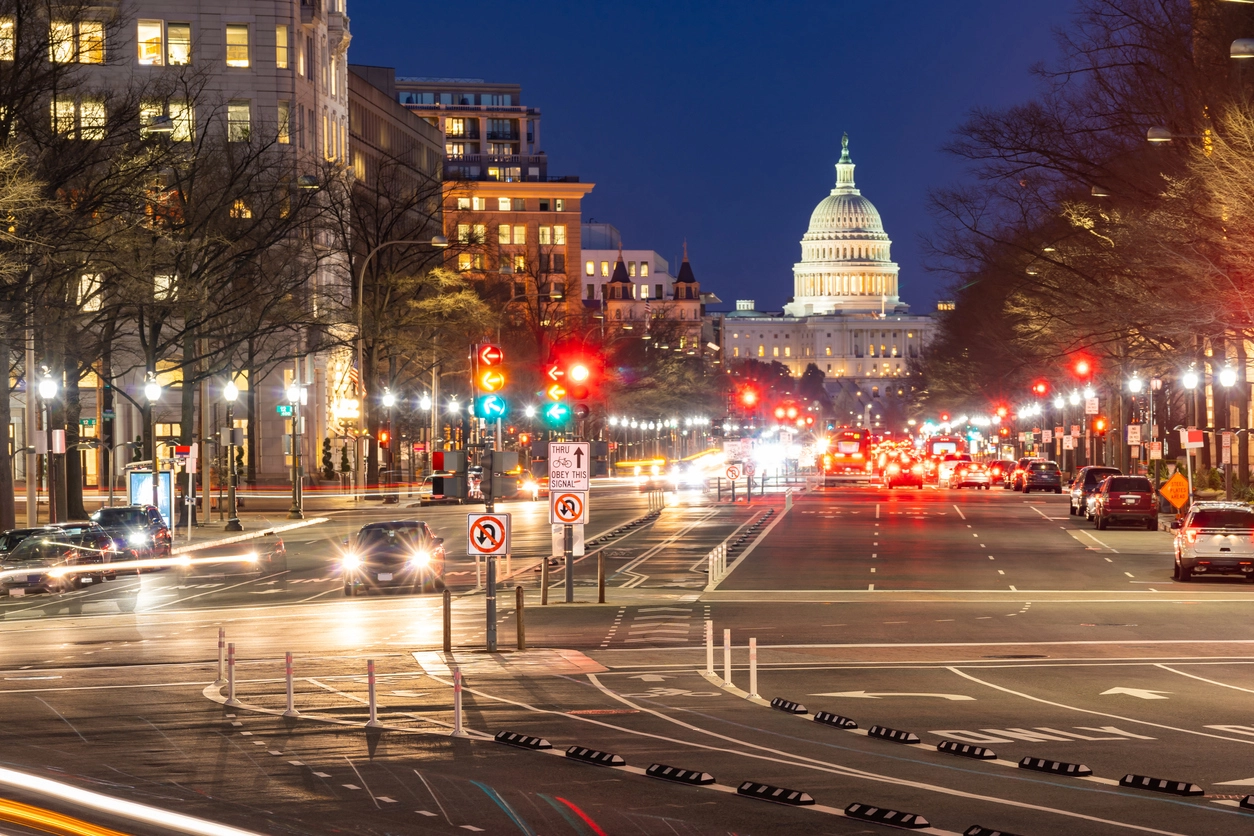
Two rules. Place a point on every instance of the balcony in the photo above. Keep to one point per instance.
(310, 11)
(510, 136)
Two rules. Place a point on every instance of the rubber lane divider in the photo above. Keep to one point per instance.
(1144, 782)
(1077, 770)
(594, 756)
(681, 776)
(966, 750)
(779, 795)
(788, 706)
(977, 830)
(892, 735)
(522, 741)
(827, 718)
(893, 818)
(1247, 803)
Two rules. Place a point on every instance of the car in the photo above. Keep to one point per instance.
(948, 465)
(264, 557)
(542, 487)
(1086, 482)
(999, 470)
(970, 475)
(55, 560)
(1015, 482)
(1125, 499)
(1042, 476)
(10, 538)
(903, 472)
(398, 553)
(1215, 538)
(137, 529)
(530, 487)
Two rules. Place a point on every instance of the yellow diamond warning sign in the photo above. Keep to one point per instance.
(1176, 490)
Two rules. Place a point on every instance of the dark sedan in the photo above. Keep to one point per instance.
(57, 560)
(1042, 476)
(137, 529)
(401, 554)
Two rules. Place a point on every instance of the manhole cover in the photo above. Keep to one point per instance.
(1017, 656)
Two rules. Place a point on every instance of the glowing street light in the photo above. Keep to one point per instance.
(1189, 379)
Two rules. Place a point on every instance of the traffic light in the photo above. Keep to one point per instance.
(944, 417)
(1083, 368)
(490, 407)
(556, 415)
(384, 438)
(1100, 426)
(1002, 412)
(572, 377)
(524, 439)
(749, 397)
(488, 380)
(1040, 388)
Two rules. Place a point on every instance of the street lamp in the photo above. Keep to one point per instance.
(230, 392)
(424, 403)
(48, 391)
(152, 391)
(389, 401)
(1227, 377)
(1189, 379)
(295, 394)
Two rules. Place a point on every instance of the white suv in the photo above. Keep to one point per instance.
(1215, 538)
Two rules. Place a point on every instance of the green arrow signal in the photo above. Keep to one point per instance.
(556, 414)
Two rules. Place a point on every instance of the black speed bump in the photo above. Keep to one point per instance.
(780, 795)
(1247, 803)
(594, 756)
(893, 735)
(976, 830)
(965, 750)
(830, 719)
(522, 741)
(1144, 782)
(682, 776)
(879, 815)
(789, 706)
(1077, 770)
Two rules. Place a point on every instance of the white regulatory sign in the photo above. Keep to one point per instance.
(569, 466)
(568, 507)
(487, 534)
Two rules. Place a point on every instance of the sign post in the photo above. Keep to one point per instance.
(570, 467)
(487, 535)
(1191, 439)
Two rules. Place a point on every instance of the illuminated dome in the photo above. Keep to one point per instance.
(846, 262)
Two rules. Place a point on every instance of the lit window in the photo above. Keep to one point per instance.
(61, 42)
(546, 235)
(179, 44)
(280, 47)
(829, 351)
(241, 210)
(7, 44)
(644, 291)
(183, 114)
(92, 119)
(90, 42)
(238, 120)
(775, 351)
(463, 203)
(89, 286)
(735, 351)
(502, 234)
(479, 204)
(285, 123)
(504, 204)
(559, 205)
(590, 268)
(605, 268)
(463, 262)
(787, 351)
(237, 44)
(520, 234)
(481, 233)
(520, 264)
(761, 351)
(163, 287)
(559, 236)
(463, 233)
(455, 127)
(63, 116)
(644, 269)
(631, 269)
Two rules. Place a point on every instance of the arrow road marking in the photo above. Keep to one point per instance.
(1139, 693)
(650, 677)
(864, 695)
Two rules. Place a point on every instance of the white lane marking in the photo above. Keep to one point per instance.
(1012, 588)
(1001, 571)
(959, 510)
(877, 510)
(1203, 679)
(872, 568)
(1097, 713)
(1130, 575)
(212, 592)
(870, 587)
(1098, 542)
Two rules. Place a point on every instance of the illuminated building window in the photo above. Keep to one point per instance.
(503, 233)
(735, 351)
(644, 269)
(559, 235)
(237, 45)
(479, 204)
(590, 268)
(775, 351)
(504, 204)
(761, 351)
(605, 268)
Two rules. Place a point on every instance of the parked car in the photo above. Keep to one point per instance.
(970, 475)
(1125, 499)
(10, 538)
(399, 554)
(1042, 476)
(1015, 482)
(138, 530)
(903, 472)
(1214, 538)
(999, 471)
(1086, 482)
(56, 560)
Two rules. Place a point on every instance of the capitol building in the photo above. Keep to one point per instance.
(845, 317)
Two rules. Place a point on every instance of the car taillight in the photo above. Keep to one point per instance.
(892, 468)
(916, 469)
(1190, 534)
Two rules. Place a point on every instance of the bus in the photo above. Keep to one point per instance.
(848, 456)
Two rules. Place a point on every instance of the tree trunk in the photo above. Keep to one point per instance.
(73, 476)
(107, 437)
(250, 405)
(370, 415)
(8, 511)
(1243, 417)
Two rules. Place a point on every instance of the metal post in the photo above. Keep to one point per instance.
(448, 621)
(295, 512)
(221, 655)
(230, 676)
(753, 668)
(32, 458)
(709, 647)
(291, 699)
(727, 677)
(490, 599)
(520, 610)
(458, 731)
(373, 722)
(544, 581)
(601, 576)
(156, 461)
(713, 573)
(1188, 466)
(478, 572)
(232, 521)
(568, 551)
(733, 490)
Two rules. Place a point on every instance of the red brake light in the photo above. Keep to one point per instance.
(1190, 534)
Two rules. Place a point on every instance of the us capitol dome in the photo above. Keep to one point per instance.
(846, 264)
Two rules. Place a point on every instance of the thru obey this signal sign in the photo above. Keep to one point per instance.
(487, 534)
(568, 507)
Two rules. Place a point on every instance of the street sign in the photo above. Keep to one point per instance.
(1134, 435)
(568, 508)
(182, 451)
(569, 466)
(1155, 450)
(1047, 436)
(87, 422)
(1058, 433)
(108, 414)
(1090, 406)
(1176, 490)
(284, 409)
(1192, 439)
(487, 534)
(733, 473)
(1075, 430)
(1225, 448)
(749, 469)
(1068, 442)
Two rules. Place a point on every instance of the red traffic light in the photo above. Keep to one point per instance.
(578, 372)
(749, 396)
(524, 438)
(1083, 368)
(490, 355)
(1002, 412)
(780, 412)
(1100, 425)
(1040, 388)
(384, 437)
(944, 417)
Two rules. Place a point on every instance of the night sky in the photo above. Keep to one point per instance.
(719, 121)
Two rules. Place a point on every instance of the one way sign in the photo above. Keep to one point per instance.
(487, 534)
(569, 466)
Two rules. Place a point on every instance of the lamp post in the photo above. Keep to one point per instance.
(230, 392)
(1136, 386)
(1227, 379)
(152, 391)
(389, 401)
(1190, 381)
(295, 394)
(48, 391)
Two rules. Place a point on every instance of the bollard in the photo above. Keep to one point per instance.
(544, 582)
(727, 656)
(221, 656)
(753, 668)
(457, 704)
(732, 482)
(478, 573)
(291, 696)
(373, 722)
(230, 676)
(601, 576)
(787, 500)
(519, 610)
(720, 488)
(713, 568)
(448, 621)
(709, 647)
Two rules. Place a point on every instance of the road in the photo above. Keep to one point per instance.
(983, 618)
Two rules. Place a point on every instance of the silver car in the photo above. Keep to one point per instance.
(1215, 538)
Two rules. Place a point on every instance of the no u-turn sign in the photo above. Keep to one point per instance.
(487, 534)
(568, 507)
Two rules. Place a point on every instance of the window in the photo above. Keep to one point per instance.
(544, 204)
(240, 210)
(163, 287)
(238, 120)
(178, 38)
(520, 263)
(280, 47)
(546, 235)
(735, 351)
(63, 116)
(559, 236)
(775, 351)
(559, 262)
(463, 261)
(644, 291)
(559, 205)
(605, 268)
(520, 204)
(237, 44)
(592, 291)
(61, 42)
(520, 234)
(787, 351)
(657, 292)
(644, 269)
(590, 268)
(829, 351)
(520, 290)
(455, 149)
(761, 351)
(504, 204)
(285, 123)
(455, 127)
(182, 114)
(479, 204)
(463, 203)
(91, 119)
(502, 234)
(90, 42)
(480, 233)
(631, 269)
(7, 44)
(89, 286)
(463, 233)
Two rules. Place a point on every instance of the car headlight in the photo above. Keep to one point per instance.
(352, 561)
(253, 557)
(421, 559)
(137, 538)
